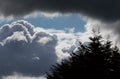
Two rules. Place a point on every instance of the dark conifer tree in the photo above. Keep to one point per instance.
(96, 60)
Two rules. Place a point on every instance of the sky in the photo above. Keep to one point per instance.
(55, 22)
(34, 34)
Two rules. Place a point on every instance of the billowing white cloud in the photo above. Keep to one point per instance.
(24, 50)
(31, 51)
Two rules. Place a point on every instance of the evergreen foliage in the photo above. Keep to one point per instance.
(96, 60)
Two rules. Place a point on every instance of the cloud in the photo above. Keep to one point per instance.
(102, 9)
(31, 51)
(66, 40)
(109, 31)
(19, 76)
(26, 51)
(43, 14)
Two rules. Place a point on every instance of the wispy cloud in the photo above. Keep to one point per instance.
(20, 76)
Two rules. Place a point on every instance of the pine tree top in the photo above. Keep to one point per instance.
(96, 60)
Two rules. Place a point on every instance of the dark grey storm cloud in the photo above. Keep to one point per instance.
(25, 51)
(102, 9)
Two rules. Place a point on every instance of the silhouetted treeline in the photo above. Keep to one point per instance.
(96, 60)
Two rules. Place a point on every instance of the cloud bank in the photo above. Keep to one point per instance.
(102, 9)
(31, 51)
(25, 51)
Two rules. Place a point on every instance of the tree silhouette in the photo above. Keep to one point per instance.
(96, 60)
